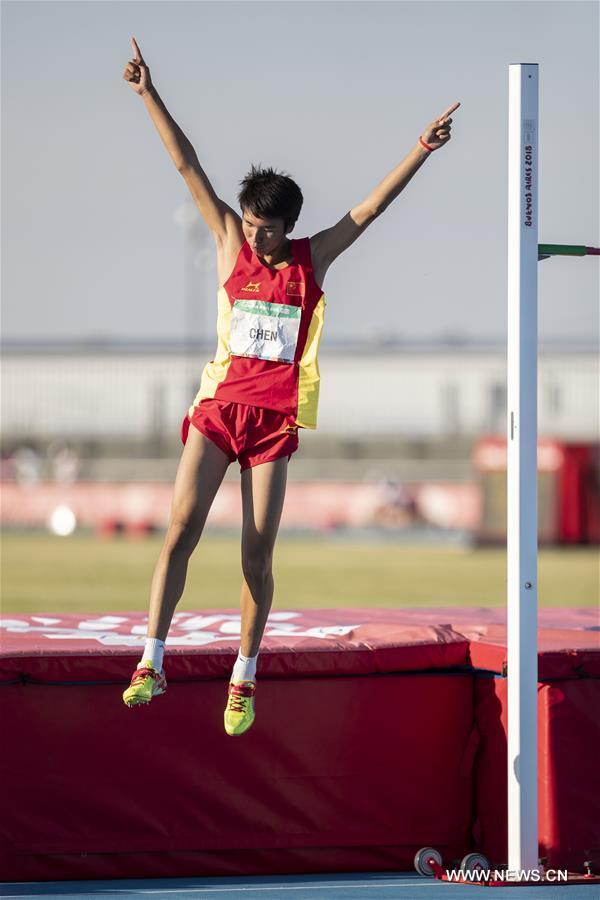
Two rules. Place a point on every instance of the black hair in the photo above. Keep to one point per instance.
(268, 194)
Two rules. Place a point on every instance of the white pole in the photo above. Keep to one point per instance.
(522, 466)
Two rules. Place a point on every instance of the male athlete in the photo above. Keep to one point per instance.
(261, 386)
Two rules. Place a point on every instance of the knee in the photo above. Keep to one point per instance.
(182, 535)
(257, 567)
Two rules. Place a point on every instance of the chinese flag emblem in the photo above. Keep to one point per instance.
(295, 289)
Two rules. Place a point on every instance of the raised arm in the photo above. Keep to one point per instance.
(220, 218)
(328, 244)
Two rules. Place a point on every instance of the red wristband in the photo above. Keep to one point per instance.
(423, 144)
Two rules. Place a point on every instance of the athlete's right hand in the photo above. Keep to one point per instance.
(137, 72)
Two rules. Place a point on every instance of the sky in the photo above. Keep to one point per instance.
(333, 93)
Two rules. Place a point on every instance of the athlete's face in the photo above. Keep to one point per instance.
(265, 236)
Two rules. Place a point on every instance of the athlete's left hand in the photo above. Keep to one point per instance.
(438, 133)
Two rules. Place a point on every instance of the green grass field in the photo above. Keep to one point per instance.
(41, 573)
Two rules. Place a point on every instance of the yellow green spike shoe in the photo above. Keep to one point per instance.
(146, 683)
(239, 714)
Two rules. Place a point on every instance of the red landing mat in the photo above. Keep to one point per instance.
(372, 739)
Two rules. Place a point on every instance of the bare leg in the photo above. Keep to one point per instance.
(200, 473)
(263, 493)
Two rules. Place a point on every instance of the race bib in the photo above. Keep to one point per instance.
(264, 330)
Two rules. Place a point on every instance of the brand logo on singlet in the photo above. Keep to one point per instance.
(253, 287)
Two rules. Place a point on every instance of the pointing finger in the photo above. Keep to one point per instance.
(449, 111)
(136, 50)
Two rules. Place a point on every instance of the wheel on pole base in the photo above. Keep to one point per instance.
(474, 862)
(424, 859)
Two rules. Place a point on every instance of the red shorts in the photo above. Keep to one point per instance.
(249, 434)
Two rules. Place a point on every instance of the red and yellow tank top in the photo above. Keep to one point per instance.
(269, 327)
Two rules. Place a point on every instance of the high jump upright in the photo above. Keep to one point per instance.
(522, 592)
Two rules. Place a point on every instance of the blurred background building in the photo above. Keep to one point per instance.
(410, 410)
(411, 436)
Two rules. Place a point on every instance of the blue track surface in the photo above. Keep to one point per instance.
(383, 886)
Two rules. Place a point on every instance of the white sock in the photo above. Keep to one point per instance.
(154, 650)
(244, 668)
